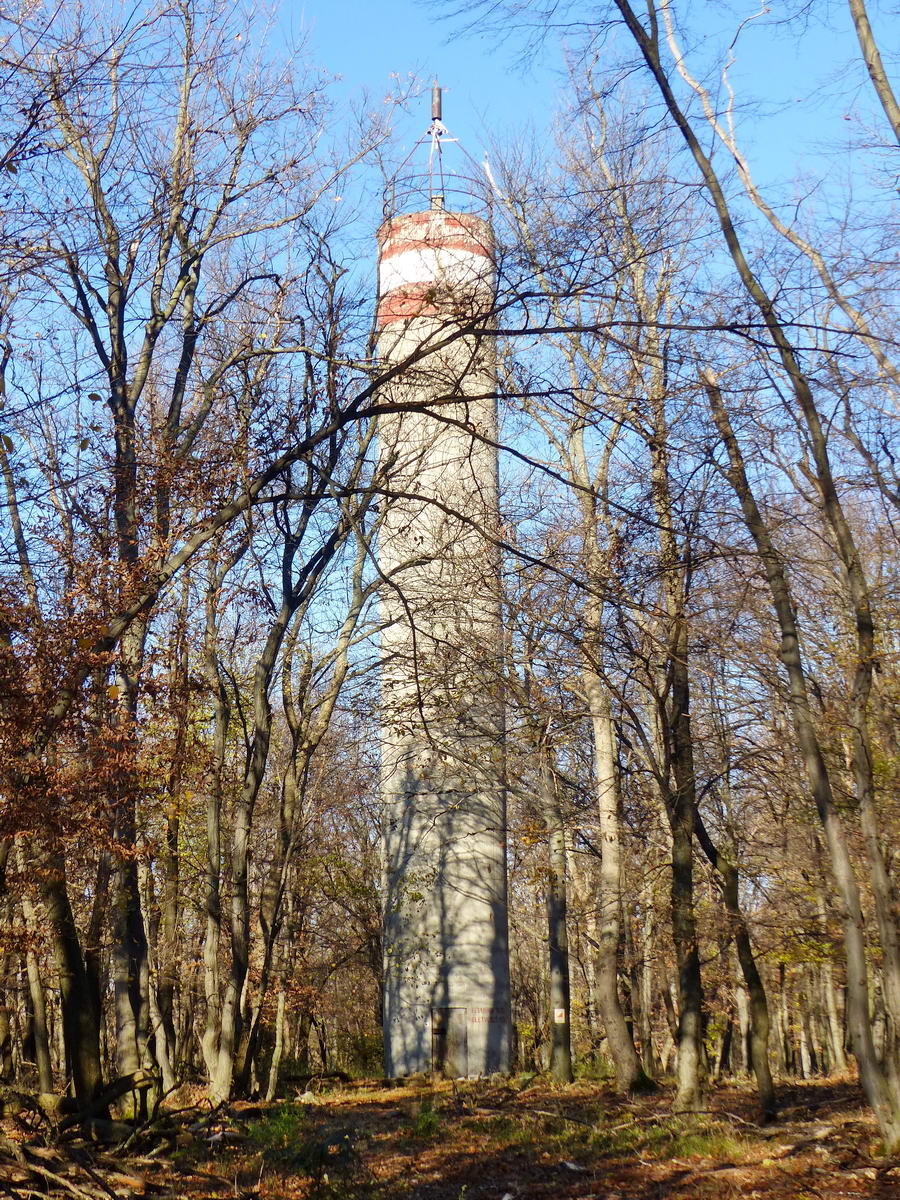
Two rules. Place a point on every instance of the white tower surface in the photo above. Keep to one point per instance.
(446, 958)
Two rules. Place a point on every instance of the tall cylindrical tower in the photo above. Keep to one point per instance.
(446, 959)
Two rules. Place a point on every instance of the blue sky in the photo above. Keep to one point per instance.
(367, 44)
(806, 92)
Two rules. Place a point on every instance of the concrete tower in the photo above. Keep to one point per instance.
(446, 959)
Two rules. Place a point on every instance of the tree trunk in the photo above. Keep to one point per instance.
(278, 1051)
(723, 1054)
(185, 1042)
(167, 939)
(129, 959)
(222, 716)
(167, 960)
(743, 1015)
(36, 988)
(160, 1041)
(880, 881)
(630, 1073)
(648, 1049)
(682, 810)
(582, 874)
(785, 1044)
(557, 930)
(805, 1065)
(232, 1016)
(80, 1029)
(874, 65)
(93, 951)
(675, 770)
(759, 1008)
(834, 1025)
(689, 1095)
(6, 1044)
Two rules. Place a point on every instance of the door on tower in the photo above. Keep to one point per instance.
(449, 1043)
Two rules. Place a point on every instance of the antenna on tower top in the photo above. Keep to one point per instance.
(436, 184)
(438, 131)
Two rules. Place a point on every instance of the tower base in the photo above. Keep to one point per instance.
(457, 1041)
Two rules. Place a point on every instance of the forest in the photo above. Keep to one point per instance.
(698, 389)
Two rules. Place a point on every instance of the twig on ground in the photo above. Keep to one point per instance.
(545, 1112)
(88, 1170)
(645, 1120)
(61, 1181)
(699, 1112)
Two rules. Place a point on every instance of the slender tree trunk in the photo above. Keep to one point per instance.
(6, 1044)
(582, 875)
(232, 1024)
(805, 1064)
(633, 960)
(723, 1056)
(129, 958)
(811, 1009)
(301, 1041)
(158, 1033)
(784, 1023)
(275, 881)
(742, 1005)
(759, 1024)
(557, 928)
(278, 1051)
(93, 949)
(874, 65)
(670, 998)
(648, 918)
(630, 1073)
(834, 1025)
(212, 939)
(167, 940)
(689, 1087)
(184, 1030)
(681, 798)
(880, 882)
(167, 955)
(689, 1095)
(36, 990)
(759, 1007)
(213, 868)
(161, 1046)
(130, 963)
(595, 527)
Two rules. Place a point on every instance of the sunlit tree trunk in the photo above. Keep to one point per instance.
(36, 989)
(874, 65)
(630, 1073)
(680, 789)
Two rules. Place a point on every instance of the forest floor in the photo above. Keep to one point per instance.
(477, 1141)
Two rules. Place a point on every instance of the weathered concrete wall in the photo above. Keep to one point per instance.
(445, 933)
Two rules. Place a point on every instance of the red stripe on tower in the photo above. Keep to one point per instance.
(433, 263)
